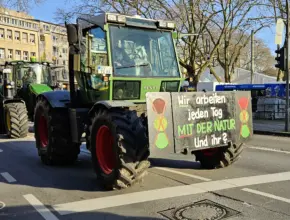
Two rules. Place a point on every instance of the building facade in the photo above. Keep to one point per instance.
(18, 36)
(53, 47)
(23, 37)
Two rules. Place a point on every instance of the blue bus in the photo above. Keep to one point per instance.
(268, 89)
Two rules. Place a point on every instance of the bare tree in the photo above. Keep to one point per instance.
(216, 20)
(20, 5)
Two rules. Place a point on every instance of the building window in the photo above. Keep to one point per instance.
(55, 51)
(2, 53)
(25, 55)
(64, 50)
(9, 34)
(17, 35)
(32, 54)
(32, 38)
(63, 62)
(10, 54)
(54, 39)
(14, 21)
(25, 37)
(1, 33)
(21, 23)
(18, 55)
(46, 27)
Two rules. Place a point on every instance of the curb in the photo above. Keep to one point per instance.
(274, 133)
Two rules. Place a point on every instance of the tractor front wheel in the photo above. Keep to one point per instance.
(219, 157)
(52, 134)
(119, 148)
(16, 120)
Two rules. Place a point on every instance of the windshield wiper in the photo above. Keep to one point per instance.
(123, 67)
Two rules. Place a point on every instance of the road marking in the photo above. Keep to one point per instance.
(183, 174)
(266, 195)
(165, 193)
(270, 149)
(2, 205)
(1, 150)
(8, 177)
(40, 208)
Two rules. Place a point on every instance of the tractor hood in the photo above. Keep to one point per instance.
(39, 88)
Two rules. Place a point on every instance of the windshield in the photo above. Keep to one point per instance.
(33, 73)
(139, 52)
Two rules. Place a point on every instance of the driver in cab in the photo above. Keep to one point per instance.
(29, 76)
(121, 58)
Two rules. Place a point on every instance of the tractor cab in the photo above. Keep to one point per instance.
(59, 77)
(124, 57)
(26, 73)
(29, 78)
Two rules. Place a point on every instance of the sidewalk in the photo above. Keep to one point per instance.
(271, 127)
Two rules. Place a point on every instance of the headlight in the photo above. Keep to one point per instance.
(171, 25)
(126, 90)
(116, 18)
(112, 17)
(122, 18)
(162, 24)
(166, 24)
(12, 83)
(169, 86)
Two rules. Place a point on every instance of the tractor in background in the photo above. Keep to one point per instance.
(129, 104)
(21, 82)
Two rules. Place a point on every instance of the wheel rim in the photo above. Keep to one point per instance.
(8, 121)
(104, 149)
(42, 130)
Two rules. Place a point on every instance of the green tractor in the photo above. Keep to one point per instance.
(129, 105)
(22, 81)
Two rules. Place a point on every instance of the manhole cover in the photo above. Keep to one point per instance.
(2, 205)
(202, 210)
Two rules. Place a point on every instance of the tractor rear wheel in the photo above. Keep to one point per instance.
(52, 134)
(16, 120)
(2, 119)
(119, 148)
(219, 157)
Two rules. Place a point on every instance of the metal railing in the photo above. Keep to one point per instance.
(269, 111)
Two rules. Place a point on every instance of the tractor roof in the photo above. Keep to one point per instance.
(102, 19)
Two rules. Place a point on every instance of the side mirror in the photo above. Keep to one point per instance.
(72, 33)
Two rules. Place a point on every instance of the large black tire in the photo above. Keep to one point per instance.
(16, 120)
(219, 157)
(126, 145)
(52, 134)
(2, 121)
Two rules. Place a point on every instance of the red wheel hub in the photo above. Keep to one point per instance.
(104, 149)
(210, 152)
(42, 130)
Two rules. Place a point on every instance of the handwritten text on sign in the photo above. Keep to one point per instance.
(208, 119)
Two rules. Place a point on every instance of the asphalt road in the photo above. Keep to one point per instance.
(256, 187)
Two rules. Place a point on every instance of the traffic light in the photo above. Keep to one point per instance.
(281, 59)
